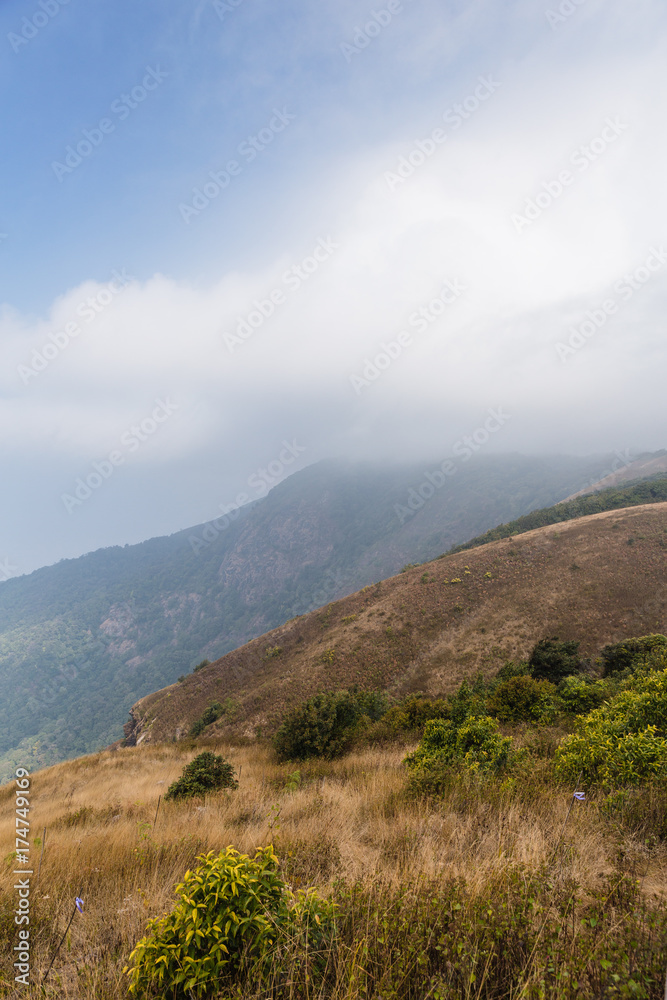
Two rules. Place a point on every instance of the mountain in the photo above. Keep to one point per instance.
(82, 641)
(647, 466)
(597, 579)
(633, 494)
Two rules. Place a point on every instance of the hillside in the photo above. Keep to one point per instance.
(596, 579)
(81, 641)
(647, 466)
(633, 494)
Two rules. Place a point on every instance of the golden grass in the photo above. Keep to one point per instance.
(348, 819)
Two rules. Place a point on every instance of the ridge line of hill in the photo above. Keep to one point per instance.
(636, 493)
(597, 579)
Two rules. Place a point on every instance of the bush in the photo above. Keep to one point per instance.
(511, 669)
(523, 699)
(474, 745)
(633, 653)
(470, 699)
(324, 726)
(232, 914)
(206, 773)
(414, 712)
(552, 660)
(624, 741)
(214, 711)
(579, 695)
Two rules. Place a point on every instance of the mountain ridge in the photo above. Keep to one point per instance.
(596, 579)
(84, 640)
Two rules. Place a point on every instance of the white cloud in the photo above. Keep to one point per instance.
(451, 219)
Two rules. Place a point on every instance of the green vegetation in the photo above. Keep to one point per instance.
(652, 490)
(206, 773)
(324, 726)
(475, 744)
(527, 934)
(624, 742)
(632, 653)
(552, 660)
(233, 915)
(412, 714)
(523, 699)
(579, 695)
(215, 711)
(82, 641)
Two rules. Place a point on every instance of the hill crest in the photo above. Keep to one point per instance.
(596, 579)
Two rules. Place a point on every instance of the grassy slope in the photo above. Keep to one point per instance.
(632, 495)
(81, 641)
(348, 820)
(598, 579)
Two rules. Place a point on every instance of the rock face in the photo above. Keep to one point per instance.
(132, 730)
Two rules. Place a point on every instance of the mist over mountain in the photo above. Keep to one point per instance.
(82, 640)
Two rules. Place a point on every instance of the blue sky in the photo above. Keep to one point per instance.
(362, 153)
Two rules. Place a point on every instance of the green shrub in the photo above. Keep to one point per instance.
(470, 699)
(474, 745)
(206, 773)
(634, 653)
(523, 699)
(511, 669)
(552, 660)
(200, 666)
(325, 725)
(214, 711)
(624, 742)
(414, 712)
(232, 913)
(579, 695)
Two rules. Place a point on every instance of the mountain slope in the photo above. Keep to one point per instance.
(633, 495)
(81, 641)
(597, 579)
(648, 466)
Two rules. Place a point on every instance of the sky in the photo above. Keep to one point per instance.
(237, 237)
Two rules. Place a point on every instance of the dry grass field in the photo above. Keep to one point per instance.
(499, 888)
(333, 824)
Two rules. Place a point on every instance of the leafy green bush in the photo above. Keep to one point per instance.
(414, 712)
(633, 653)
(214, 711)
(523, 699)
(325, 725)
(470, 699)
(579, 695)
(624, 742)
(206, 773)
(512, 669)
(552, 660)
(473, 745)
(232, 914)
